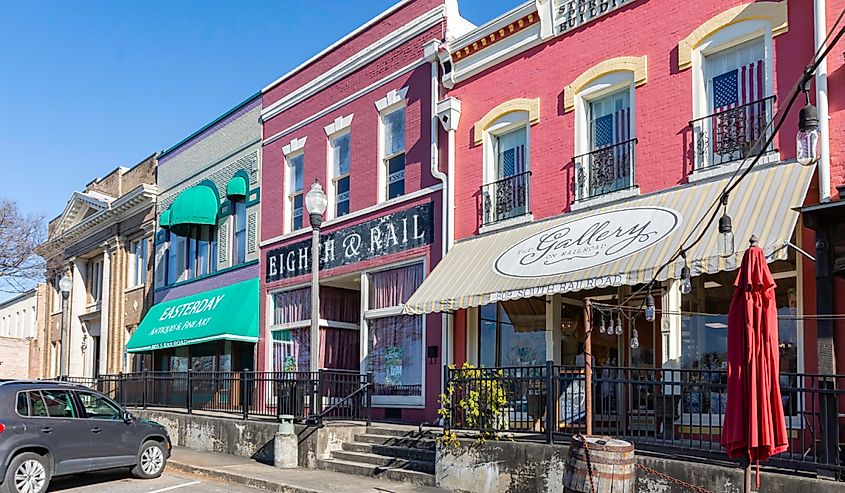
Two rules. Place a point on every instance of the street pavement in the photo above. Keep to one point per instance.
(123, 482)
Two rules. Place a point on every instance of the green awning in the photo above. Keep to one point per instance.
(164, 219)
(229, 313)
(236, 188)
(195, 205)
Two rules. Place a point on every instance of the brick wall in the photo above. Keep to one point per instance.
(663, 103)
(14, 358)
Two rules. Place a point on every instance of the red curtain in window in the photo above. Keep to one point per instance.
(394, 287)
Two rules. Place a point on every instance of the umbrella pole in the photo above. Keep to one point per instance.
(747, 475)
(588, 366)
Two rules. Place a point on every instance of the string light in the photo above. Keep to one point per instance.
(686, 282)
(649, 308)
(635, 340)
(725, 244)
(602, 327)
(807, 139)
(619, 323)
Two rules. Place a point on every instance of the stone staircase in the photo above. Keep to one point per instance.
(397, 453)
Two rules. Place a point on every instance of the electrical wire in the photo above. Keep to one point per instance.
(601, 307)
(780, 115)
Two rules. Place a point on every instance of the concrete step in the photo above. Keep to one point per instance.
(418, 443)
(369, 470)
(422, 455)
(384, 461)
(404, 431)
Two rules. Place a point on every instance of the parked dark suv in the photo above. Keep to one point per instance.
(51, 429)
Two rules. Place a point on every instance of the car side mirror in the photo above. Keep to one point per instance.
(127, 417)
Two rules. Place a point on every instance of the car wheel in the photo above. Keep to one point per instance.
(151, 461)
(27, 473)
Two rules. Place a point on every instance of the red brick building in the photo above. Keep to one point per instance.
(359, 119)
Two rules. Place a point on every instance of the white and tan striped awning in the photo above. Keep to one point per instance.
(622, 243)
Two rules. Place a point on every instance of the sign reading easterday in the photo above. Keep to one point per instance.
(588, 242)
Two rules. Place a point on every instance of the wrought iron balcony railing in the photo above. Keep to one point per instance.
(731, 134)
(505, 199)
(605, 170)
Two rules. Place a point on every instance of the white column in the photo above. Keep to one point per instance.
(76, 307)
(553, 328)
(105, 303)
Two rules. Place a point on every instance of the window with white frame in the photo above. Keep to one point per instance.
(395, 340)
(339, 154)
(296, 165)
(239, 229)
(393, 145)
(734, 101)
(505, 193)
(605, 142)
(94, 280)
(137, 262)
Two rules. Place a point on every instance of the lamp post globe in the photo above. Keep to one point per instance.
(316, 203)
(65, 284)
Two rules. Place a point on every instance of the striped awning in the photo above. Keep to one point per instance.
(621, 243)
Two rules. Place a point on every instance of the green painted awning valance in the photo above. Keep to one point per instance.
(195, 205)
(236, 188)
(164, 219)
(229, 313)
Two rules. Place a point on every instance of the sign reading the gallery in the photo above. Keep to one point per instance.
(570, 14)
(588, 242)
(392, 233)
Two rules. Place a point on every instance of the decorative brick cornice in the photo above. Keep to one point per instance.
(496, 36)
(775, 13)
(638, 65)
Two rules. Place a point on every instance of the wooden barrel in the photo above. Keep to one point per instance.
(600, 464)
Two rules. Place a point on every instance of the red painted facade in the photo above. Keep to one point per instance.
(355, 93)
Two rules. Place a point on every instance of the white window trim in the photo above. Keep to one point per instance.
(724, 39)
(134, 275)
(331, 195)
(502, 125)
(394, 100)
(289, 179)
(340, 124)
(603, 86)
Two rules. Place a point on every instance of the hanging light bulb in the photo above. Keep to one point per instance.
(619, 324)
(602, 327)
(635, 339)
(649, 308)
(807, 140)
(686, 282)
(726, 234)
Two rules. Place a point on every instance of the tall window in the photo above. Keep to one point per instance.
(94, 280)
(395, 340)
(57, 293)
(738, 103)
(193, 255)
(505, 195)
(512, 333)
(175, 265)
(394, 151)
(239, 227)
(510, 154)
(137, 262)
(340, 173)
(608, 164)
(296, 166)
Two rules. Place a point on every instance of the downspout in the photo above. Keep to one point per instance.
(819, 33)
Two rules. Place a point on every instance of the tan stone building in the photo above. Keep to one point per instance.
(23, 336)
(103, 242)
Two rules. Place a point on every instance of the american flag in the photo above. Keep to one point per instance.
(513, 161)
(612, 129)
(732, 89)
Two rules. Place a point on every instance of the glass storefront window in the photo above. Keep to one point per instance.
(395, 345)
(512, 333)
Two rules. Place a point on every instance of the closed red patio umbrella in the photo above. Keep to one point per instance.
(754, 427)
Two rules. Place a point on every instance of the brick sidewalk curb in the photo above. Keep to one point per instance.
(237, 478)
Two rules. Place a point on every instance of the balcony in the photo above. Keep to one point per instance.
(730, 135)
(605, 170)
(505, 199)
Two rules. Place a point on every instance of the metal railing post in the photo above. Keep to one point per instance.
(320, 390)
(550, 400)
(121, 399)
(189, 392)
(144, 389)
(244, 394)
(368, 396)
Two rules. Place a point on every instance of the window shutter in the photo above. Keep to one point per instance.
(223, 244)
(252, 235)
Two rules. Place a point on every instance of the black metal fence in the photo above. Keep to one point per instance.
(506, 198)
(730, 134)
(663, 410)
(605, 170)
(307, 396)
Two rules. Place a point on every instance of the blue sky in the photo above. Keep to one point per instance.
(86, 86)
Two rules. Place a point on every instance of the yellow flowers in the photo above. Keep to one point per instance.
(480, 405)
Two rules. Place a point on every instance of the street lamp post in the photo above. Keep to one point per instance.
(316, 203)
(65, 284)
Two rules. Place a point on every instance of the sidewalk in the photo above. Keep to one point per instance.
(247, 472)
